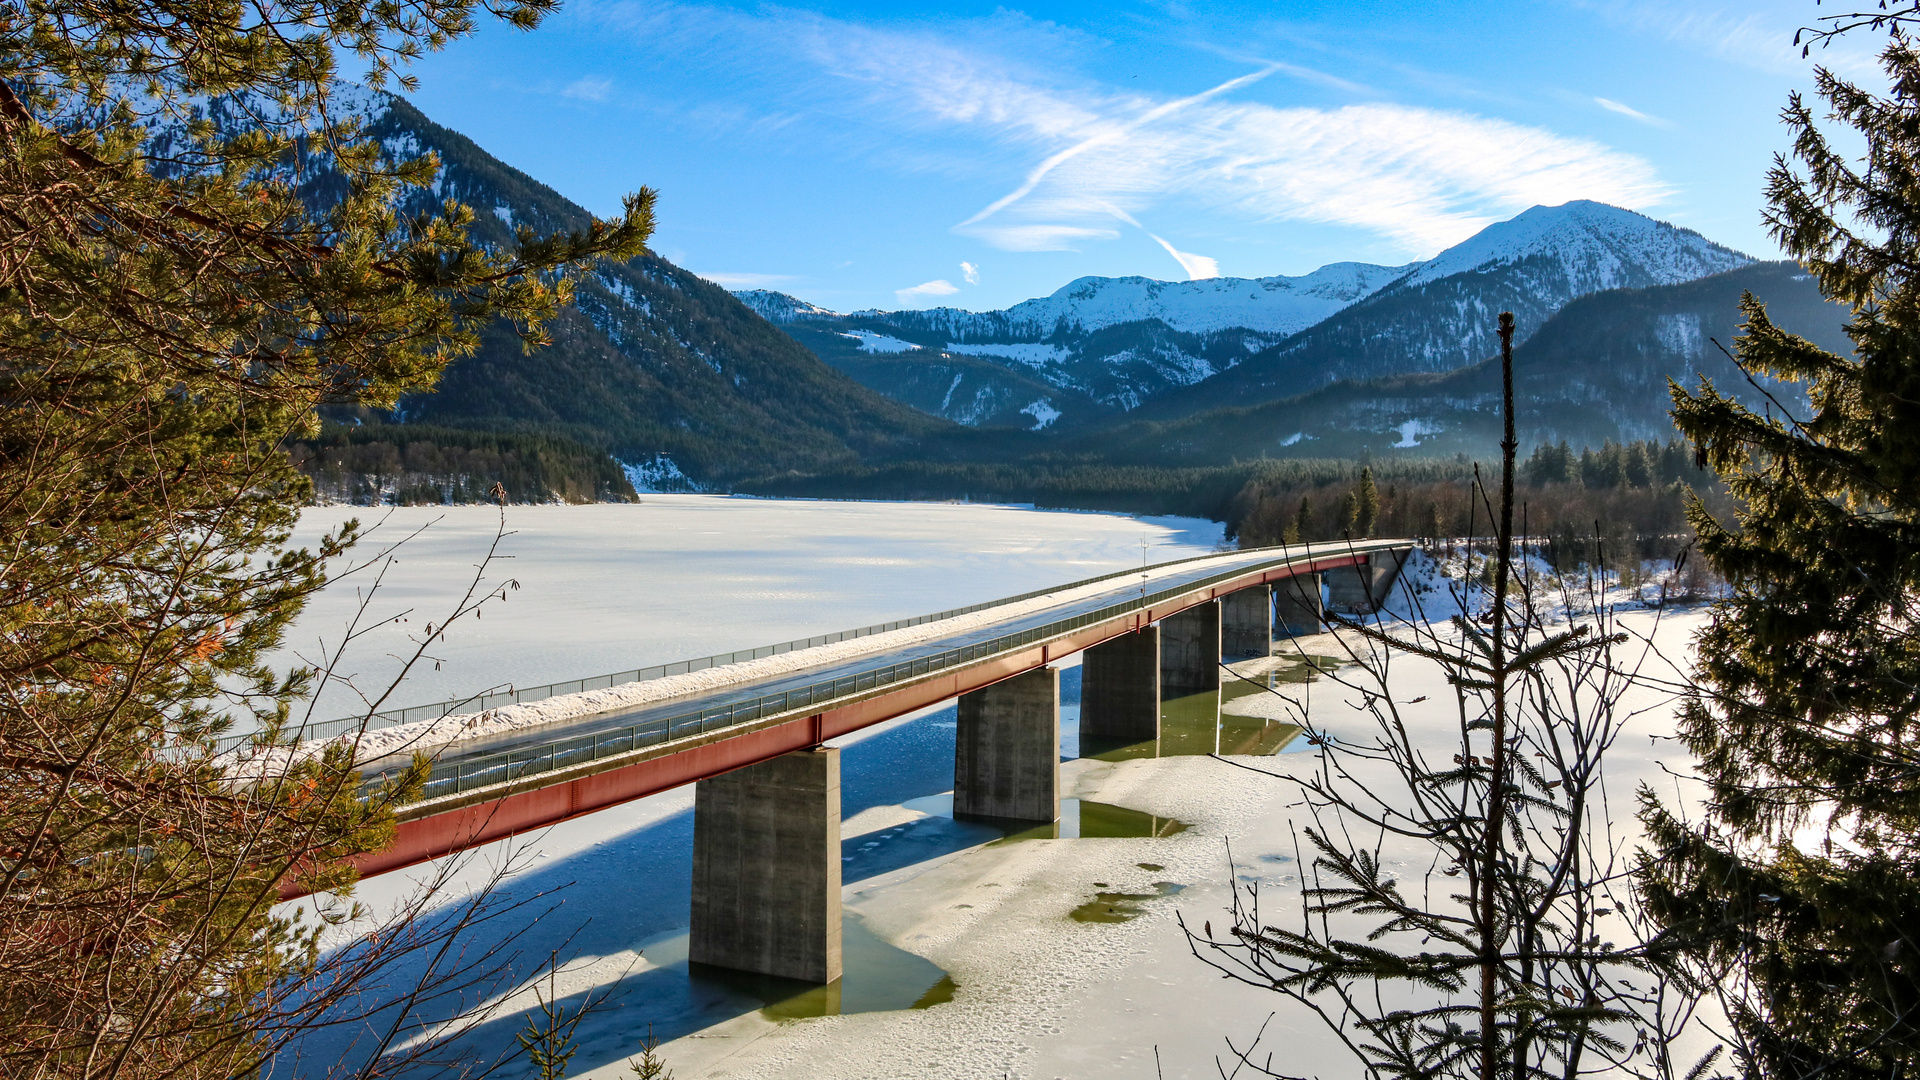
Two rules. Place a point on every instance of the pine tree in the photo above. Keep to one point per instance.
(1805, 722)
(168, 318)
(1366, 500)
(1303, 520)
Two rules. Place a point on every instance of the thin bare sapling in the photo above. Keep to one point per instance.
(1466, 908)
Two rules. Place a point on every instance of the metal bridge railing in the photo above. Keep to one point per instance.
(468, 774)
(494, 699)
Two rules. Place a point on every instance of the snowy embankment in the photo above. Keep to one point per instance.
(431, 735)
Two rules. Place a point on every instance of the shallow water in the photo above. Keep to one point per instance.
(877, 978)
(1079, 818)
(1119, 907)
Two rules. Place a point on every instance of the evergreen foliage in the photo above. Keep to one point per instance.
(411, 465)
(1805, 720)
(1366, 503)
(1592, 508)
(169, 315)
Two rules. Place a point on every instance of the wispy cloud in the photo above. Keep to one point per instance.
(1751, 33)
(938, 287)
(1627, 110)
(1424, 177)
(959, 98)
(589, 88)
(970, 273)
(1043, 237)
(746, 281)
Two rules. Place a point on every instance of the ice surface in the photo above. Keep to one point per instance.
(434, 734)
(608, 588)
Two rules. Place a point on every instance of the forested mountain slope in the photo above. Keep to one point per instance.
(650, 361)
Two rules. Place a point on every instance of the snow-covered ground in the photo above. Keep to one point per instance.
(1036, 993)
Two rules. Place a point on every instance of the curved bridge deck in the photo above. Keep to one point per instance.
(493, 787)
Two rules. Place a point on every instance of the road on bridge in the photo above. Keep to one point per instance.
(490, 787)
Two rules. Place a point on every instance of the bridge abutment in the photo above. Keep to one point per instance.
(1246, 622)
(1006, 755)
(766, 868)
(1296, 604)
(1190, 651)
(1120, 687)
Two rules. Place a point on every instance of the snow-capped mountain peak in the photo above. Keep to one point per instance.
(1599, 246)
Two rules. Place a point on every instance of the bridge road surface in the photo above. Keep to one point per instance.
(495, 786)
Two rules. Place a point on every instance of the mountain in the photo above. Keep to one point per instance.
(1595, 370)
(1101, 348)
(1092, 351)
(663, 370)
(1441, 316)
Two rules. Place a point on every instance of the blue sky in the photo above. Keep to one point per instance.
(973, 154)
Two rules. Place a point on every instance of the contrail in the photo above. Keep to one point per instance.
(1040, 171)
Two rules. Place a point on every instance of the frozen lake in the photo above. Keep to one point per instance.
(612, 587)
(1062, 957)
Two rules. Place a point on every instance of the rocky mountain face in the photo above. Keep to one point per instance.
(1102, 348)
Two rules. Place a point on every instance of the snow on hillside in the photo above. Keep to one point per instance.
(778, 307)
(1282, 305)
(1597, 244)
(879, 343)
(1029, 354)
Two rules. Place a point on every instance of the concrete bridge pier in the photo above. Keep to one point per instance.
(1296, 605)
(1120, 687)
(1190, 651)
(1006, 755)
(766, 868)
(1362, 589)
(1246, 622)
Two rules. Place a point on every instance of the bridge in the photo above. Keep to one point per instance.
(766, 877)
